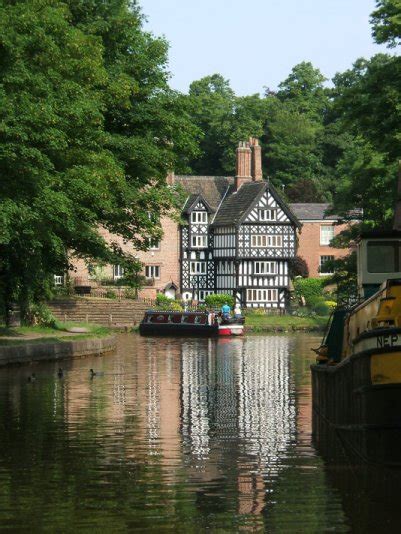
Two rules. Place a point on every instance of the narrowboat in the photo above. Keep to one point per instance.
(356, 382)
(172, 323)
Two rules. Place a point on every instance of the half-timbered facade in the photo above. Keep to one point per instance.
(238, 239)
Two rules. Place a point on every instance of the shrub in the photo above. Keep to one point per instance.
(130, 293)
(321, 308)
(298, 267)
(110, 294)
(310, 289)
(165, 303)
(217, 301)
(40, 315)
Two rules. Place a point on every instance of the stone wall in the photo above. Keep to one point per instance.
(104, 312)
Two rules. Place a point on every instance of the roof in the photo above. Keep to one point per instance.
(312, 212)
(193, 200)
(237, 204)
(212, 188)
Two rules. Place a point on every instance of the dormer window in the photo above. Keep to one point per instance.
(199, 217)
(267, 215)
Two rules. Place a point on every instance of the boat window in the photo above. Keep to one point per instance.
(383, 257)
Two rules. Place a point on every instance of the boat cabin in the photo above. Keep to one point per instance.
(379, 259)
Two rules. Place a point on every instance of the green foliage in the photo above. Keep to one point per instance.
(131, 293)
(40, 315)
(344, 278)
(309, 288)
(110, 294)
(167, 304)
(321, 308)
(298, 267)
(89, 129)
(386, 20)
(217, 301)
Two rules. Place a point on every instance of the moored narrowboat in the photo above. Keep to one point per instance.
(356, 383)
(173, 323)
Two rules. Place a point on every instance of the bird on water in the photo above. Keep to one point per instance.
(32, 377)
(95, 373)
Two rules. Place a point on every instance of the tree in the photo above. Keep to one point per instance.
(88, 130)
(386, 22)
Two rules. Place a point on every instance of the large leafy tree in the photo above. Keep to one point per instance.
(386, 20)
(88, 130)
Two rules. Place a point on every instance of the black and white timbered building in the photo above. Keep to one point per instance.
(238, 236)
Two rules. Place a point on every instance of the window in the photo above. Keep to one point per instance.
(118, 272)
(262, 295)
(153, 244)
(265, 241)
(58, 280)
(199, 217)
(265, 267)
(198, 267)
(326, 234)
(199, 241)
(152, 271)
(267, 215)
(384, 257)
(323, 269)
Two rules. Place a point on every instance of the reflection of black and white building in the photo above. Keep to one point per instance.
(238, 236)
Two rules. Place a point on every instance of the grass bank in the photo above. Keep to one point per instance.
(284, 323)
(43, 334)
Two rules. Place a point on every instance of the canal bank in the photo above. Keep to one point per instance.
(33, 344)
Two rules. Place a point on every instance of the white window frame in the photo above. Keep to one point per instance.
(153, 244)
(326, 234)
(118, 272)
(197, 268)
(152, 272)
(199, 241)
(327, 257)
(266, 241)
(262, 295)
(58, 280)
(268, 214)
(263, 268)
(199, 217)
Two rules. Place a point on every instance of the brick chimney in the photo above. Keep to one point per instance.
(244, 164)
(256, 159)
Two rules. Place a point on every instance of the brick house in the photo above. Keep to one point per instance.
(318, 229)
(238, 237)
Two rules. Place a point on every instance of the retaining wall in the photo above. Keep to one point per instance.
(104, 312)
(35, 352)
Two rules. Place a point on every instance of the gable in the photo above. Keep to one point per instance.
(267, 202)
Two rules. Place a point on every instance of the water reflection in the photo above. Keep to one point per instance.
(182, 435)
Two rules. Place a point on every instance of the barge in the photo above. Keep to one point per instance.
(356, 382)
(169, 323)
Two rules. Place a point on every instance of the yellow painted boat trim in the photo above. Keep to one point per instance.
(386, 368)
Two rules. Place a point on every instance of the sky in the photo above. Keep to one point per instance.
(256, 43)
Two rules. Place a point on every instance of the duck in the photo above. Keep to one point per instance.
(60, 372)
(95, 373)
(32, 378)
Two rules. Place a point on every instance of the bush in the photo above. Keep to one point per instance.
(40, 315)
(110, 294)
(131, 293)
(167, 304)
(217, 301)
(311, 289)
(321, 308)
(298, 267)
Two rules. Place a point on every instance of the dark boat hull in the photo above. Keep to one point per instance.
(365, 415)
(178, 330)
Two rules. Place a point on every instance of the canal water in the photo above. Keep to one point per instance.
(179, 435)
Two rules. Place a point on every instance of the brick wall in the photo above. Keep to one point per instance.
(310, 248)
(166, 257)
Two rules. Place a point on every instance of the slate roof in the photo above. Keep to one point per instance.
(212, 188)
(237, 204)
(312, 212)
